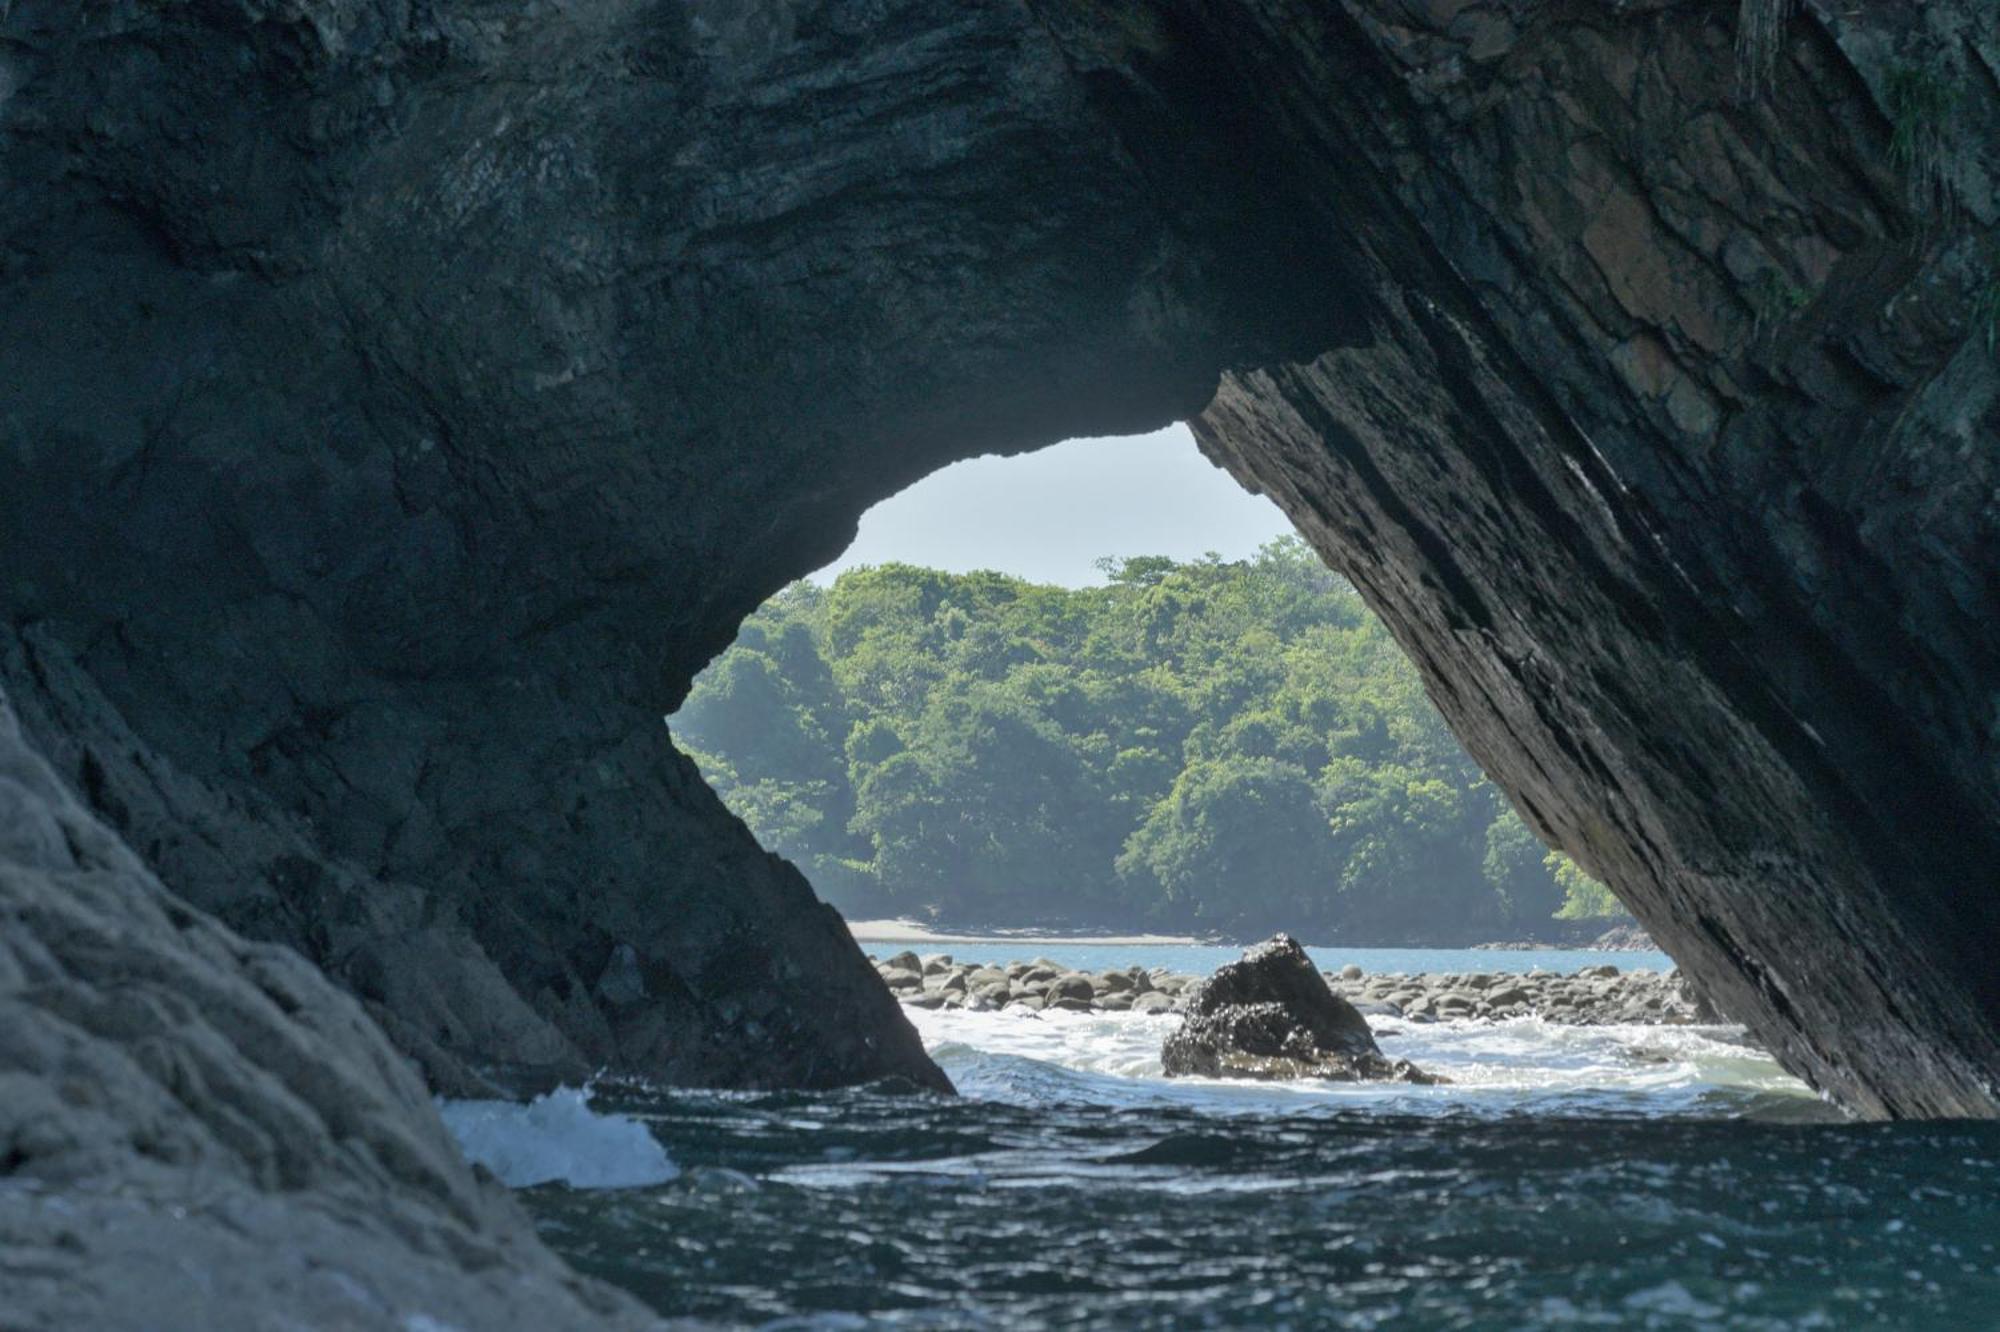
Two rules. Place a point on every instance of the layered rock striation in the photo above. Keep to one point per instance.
(1673, 467)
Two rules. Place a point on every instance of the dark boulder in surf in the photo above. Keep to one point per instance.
(1271, 1015)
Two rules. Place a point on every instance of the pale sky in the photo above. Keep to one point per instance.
(1046, 516)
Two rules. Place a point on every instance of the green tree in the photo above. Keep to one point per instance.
(1517, 865)
(1237, 842)
(1236, 745)
(1584, 898)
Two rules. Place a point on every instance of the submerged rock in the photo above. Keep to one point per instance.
(1272, 1015)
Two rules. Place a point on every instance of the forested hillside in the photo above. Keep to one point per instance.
(1238, 747)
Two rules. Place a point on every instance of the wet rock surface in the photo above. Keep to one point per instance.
(1270, 1015)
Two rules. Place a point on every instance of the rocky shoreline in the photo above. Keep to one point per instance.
(1595, 996)
(1617, 939)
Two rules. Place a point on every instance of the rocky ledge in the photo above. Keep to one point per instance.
(1595, 996)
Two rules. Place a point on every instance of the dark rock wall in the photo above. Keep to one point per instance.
(406, 401)
(1674, 469)
(400, 401)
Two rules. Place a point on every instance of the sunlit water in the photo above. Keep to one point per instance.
(1607, 1177)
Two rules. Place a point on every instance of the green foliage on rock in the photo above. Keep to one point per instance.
(1921, 102)
(1207, 745)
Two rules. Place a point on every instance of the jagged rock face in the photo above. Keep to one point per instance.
(403, 401)
(1675, 472)
(200, 1131)
(1270, 1015)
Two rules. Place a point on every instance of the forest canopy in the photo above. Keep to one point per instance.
(1228, 746)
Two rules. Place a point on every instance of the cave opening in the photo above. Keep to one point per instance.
(1100, 688)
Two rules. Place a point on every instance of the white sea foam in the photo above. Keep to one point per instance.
(557, 1137)
(1524, 1064)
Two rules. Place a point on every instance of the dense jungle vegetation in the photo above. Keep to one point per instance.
(1235, 747)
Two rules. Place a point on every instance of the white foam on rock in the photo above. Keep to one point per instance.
(1506, 1066)
(557, 1138)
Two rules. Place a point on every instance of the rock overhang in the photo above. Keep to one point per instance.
(372, 531)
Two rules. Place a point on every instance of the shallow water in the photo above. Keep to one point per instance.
(1201, 959)
(1615, 1177)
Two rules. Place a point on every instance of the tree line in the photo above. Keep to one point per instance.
(1227, 746)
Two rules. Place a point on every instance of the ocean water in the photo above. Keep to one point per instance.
(1200, 959)
(1566, 1177)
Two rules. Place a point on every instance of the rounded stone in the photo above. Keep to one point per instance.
(1072, 986)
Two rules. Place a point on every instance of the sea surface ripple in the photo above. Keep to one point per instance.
(1566, 1177)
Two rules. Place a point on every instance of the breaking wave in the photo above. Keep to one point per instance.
(558, 1138)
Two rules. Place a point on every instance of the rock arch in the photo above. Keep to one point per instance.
(402, 402)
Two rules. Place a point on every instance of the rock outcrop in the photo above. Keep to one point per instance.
(199, 1131)
(1271, 1015)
